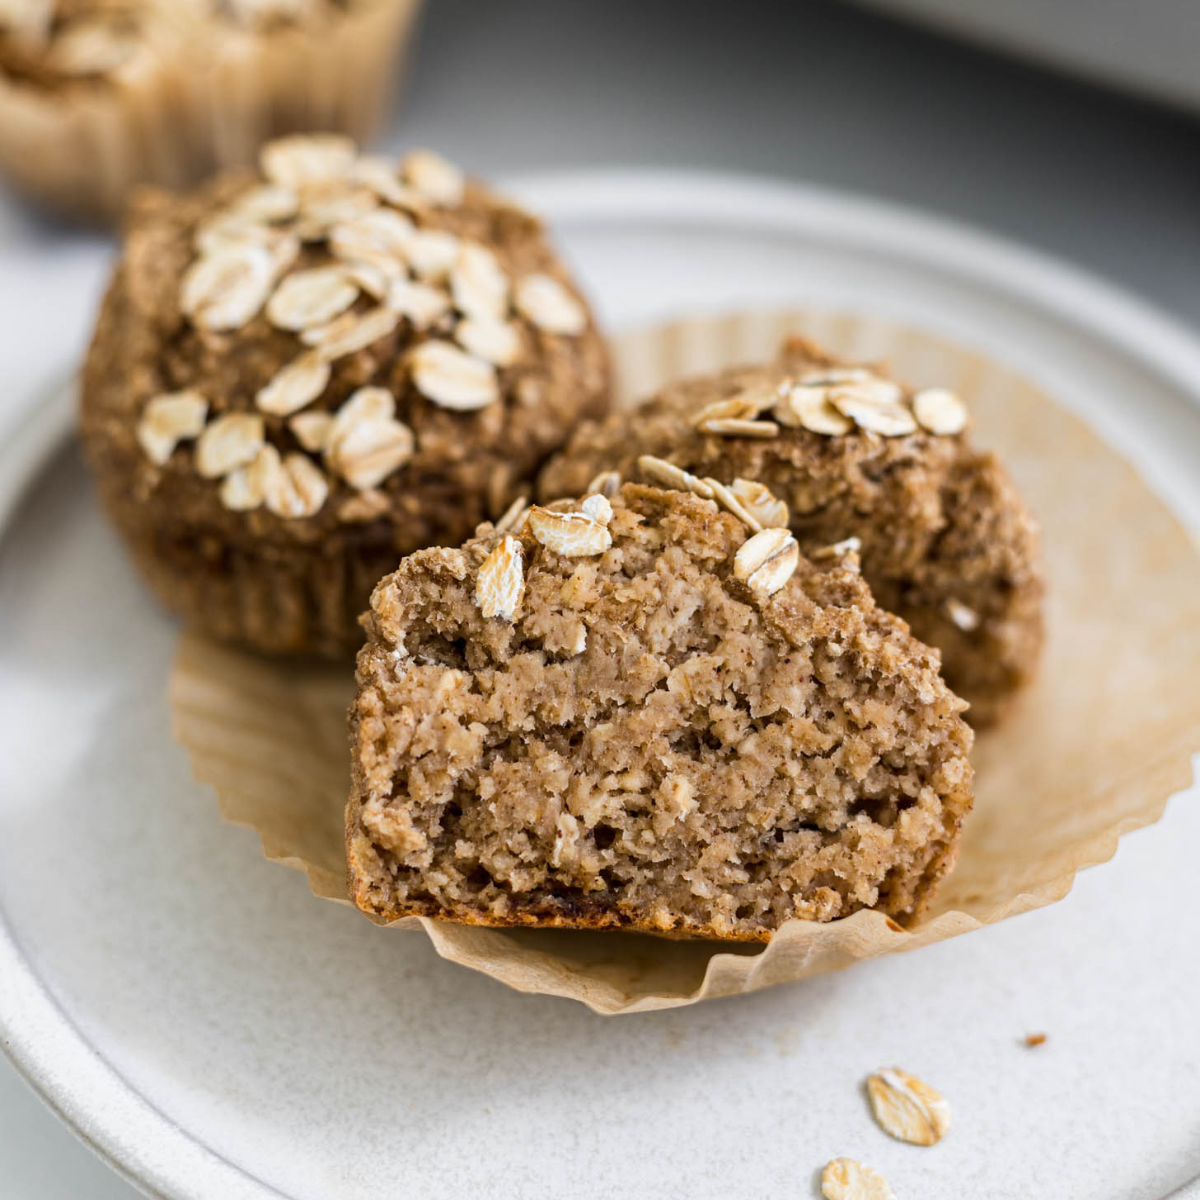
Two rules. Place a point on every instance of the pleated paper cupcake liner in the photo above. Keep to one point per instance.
(1094, 748)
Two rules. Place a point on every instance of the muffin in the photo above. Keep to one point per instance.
(99, 95)
(297, 379)
(945, 540)
(636, 713)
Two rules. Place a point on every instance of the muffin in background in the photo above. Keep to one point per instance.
(296, 379)
(97, 96)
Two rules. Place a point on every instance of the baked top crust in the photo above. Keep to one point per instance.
(341, 340)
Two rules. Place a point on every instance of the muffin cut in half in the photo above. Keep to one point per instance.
(633, 713)
(297, 379)
(946, 541)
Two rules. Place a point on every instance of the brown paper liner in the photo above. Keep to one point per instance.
(199, 96)
(1093, 749)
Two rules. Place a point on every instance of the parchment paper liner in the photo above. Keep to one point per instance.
(199, 95)
(1095, 748)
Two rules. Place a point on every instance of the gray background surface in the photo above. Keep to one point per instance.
(801, 91)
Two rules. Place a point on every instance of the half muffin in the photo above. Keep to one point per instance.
(637, 713)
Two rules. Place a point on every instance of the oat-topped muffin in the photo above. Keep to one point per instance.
(299, 378)
(99, 95)
(636, 713)
(946, 541)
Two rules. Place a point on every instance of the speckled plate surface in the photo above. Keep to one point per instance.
(215, 1031)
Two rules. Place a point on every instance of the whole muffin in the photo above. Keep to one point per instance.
(97, 96)
(296, 380)
(946, 541)
(638, 714)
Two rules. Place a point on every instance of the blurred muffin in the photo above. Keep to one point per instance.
(99, 95)
(297, 379)
(946, 541)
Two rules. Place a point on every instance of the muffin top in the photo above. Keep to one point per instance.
(342, 339)
(946, 541)
(58, 43)
(821, 433)
(260, 15)
(63, 43)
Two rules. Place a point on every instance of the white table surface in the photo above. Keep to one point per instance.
(810, 92)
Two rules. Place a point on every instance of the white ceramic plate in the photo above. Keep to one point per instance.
(214, 1031)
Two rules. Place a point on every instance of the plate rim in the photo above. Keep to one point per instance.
(69, 1073)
